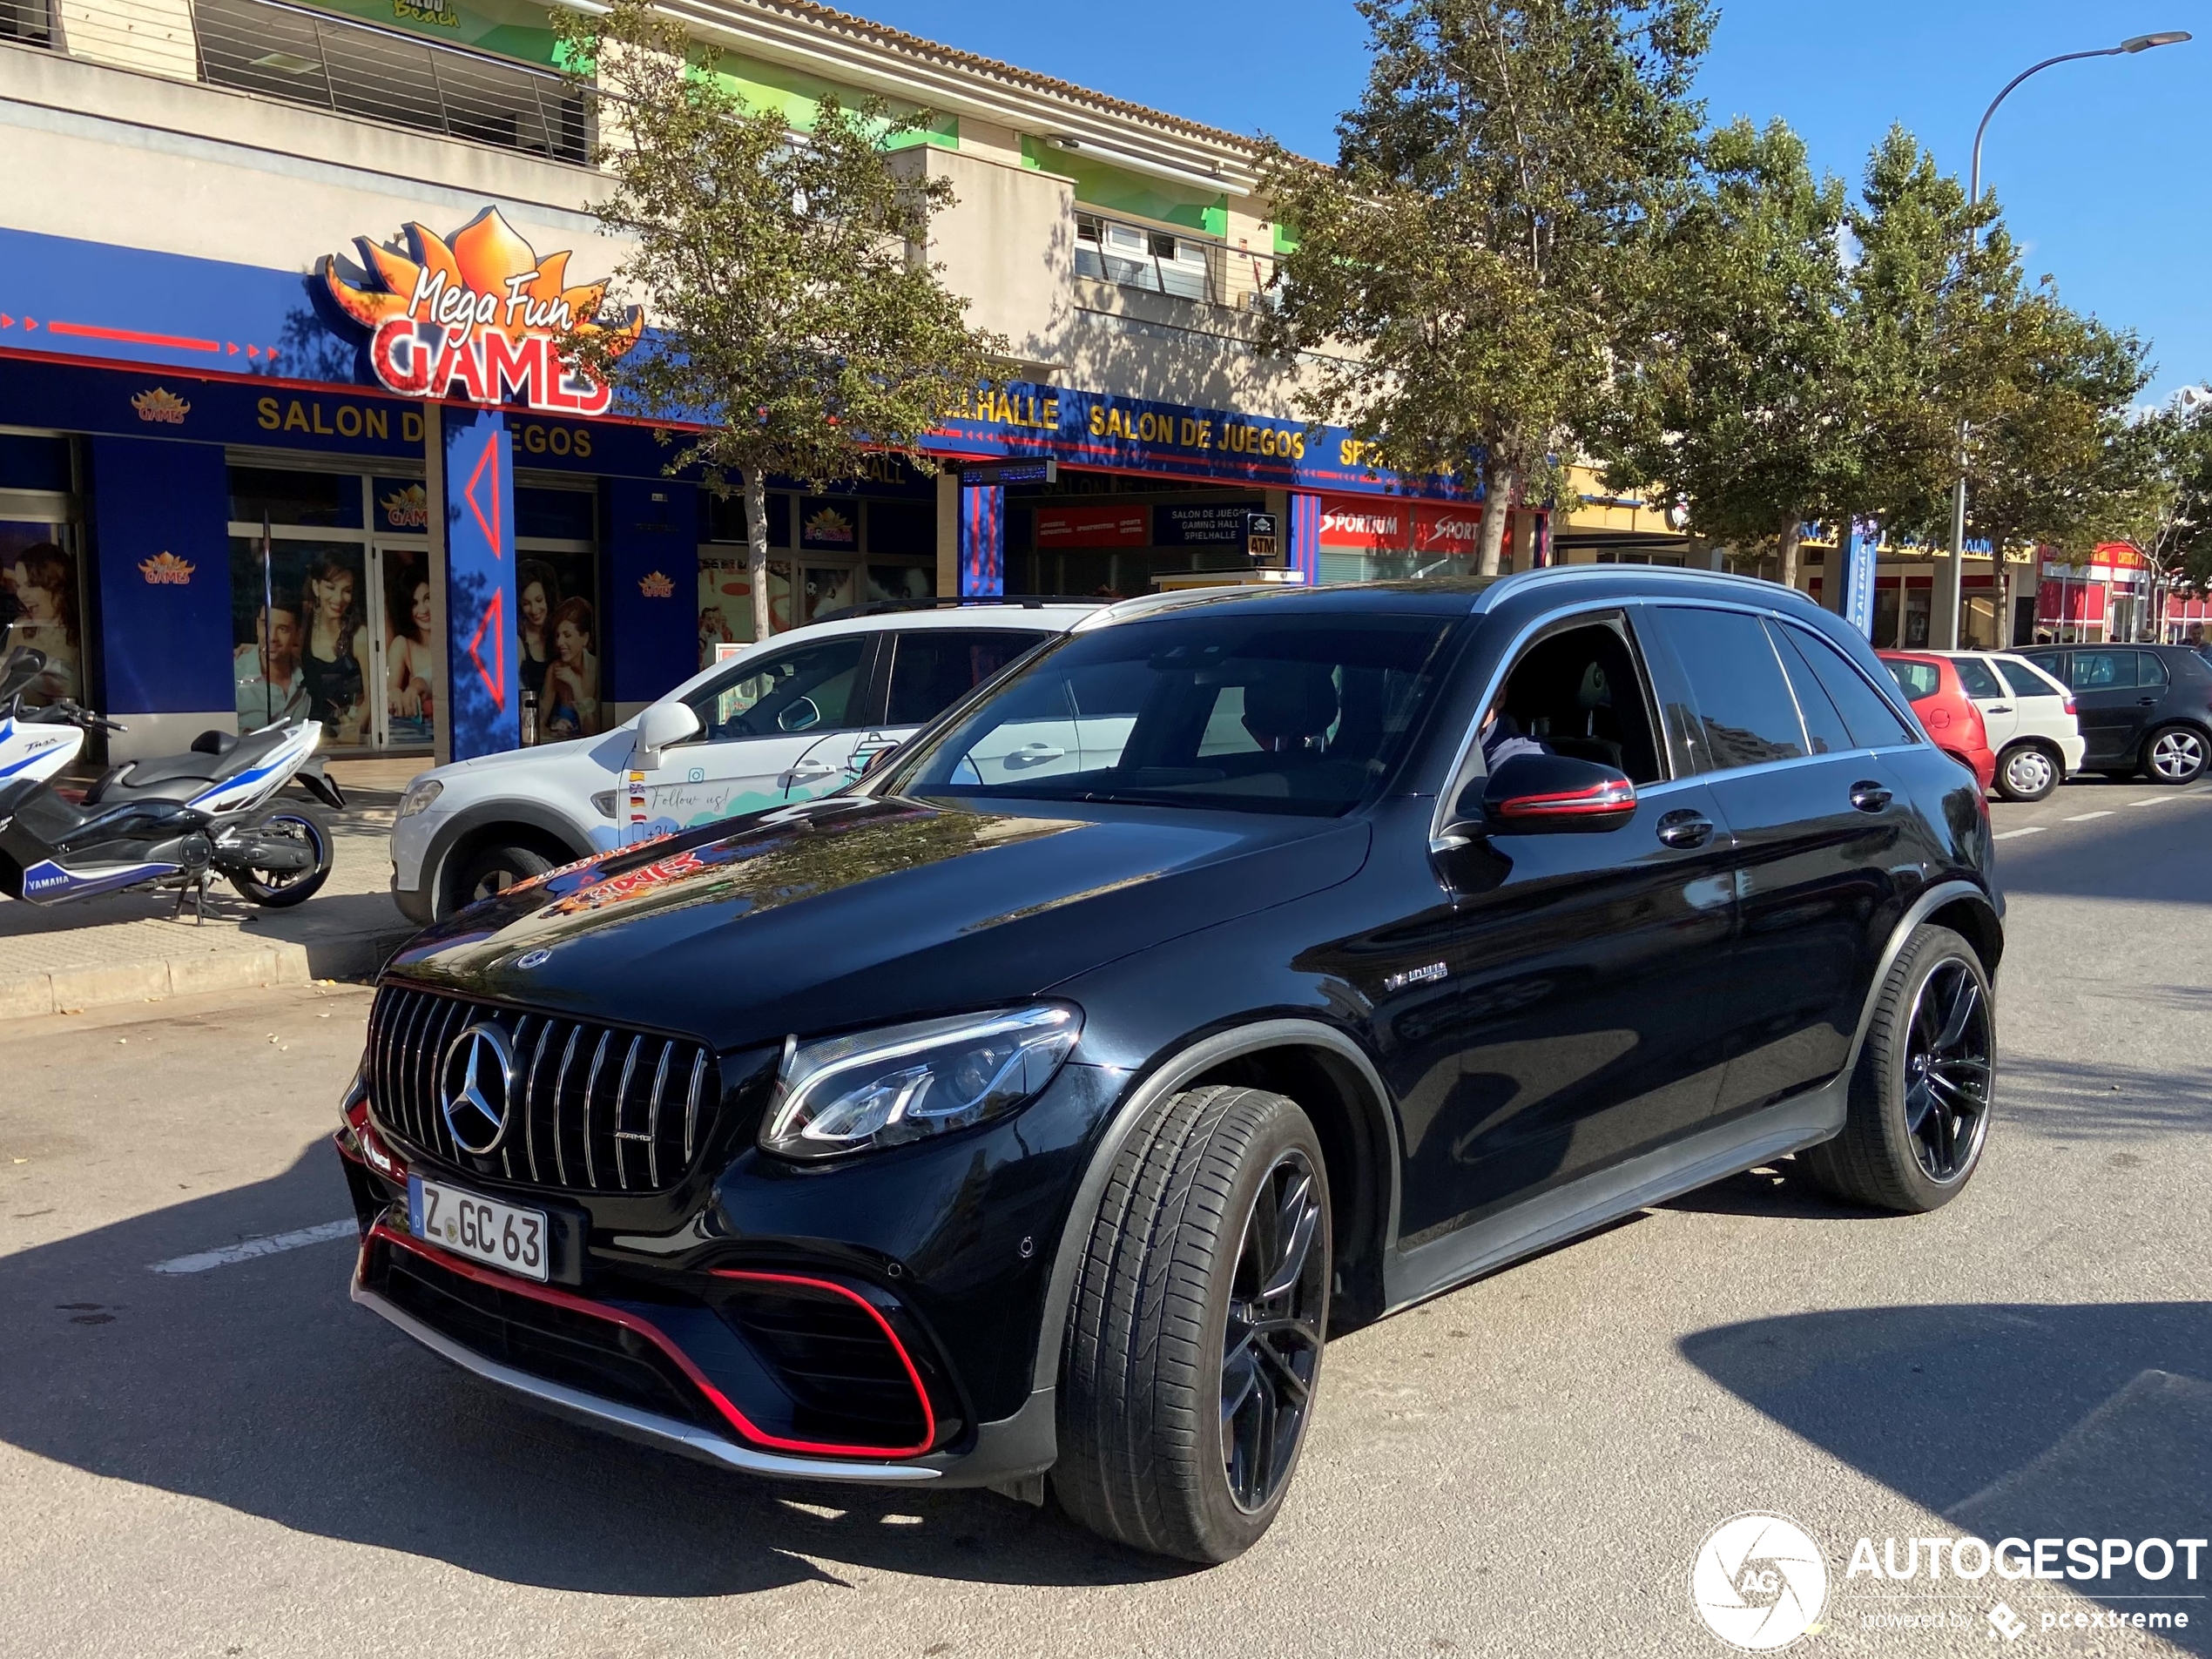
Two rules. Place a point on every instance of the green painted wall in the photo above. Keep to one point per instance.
(798, 97)
(1115, 189)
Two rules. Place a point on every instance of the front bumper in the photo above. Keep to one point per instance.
(785, 1356)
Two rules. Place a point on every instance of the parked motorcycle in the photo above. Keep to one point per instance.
(31, 746)
(178, 822)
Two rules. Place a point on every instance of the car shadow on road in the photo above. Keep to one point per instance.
(2011, 1421)
(260, 1387)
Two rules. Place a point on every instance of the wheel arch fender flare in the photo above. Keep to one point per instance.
(469, 824)
(1181, 1067)
(1944, 895)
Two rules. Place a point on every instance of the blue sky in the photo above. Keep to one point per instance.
(2093, 160)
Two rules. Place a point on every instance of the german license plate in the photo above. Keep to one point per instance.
(505, 1235)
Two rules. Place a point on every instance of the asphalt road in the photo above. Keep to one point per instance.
(232, 1460)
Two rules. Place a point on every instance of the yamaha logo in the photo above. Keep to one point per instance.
(473, 1083)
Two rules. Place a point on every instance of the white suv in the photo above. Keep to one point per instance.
(2032, 728)
(781, 722)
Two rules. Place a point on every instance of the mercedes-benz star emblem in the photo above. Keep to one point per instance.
(473, 1079)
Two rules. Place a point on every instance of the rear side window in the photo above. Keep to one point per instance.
(1873, 723)
(1974, 675)
(2150, 672)
(2104, 671)
(933, 667)
(1824, 726)
(1745, 714)
(1917, 680)
(2025, 681)
(2051, 662)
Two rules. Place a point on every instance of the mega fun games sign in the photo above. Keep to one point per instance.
(480, 312)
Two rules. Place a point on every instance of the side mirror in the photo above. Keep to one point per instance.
(661, 726)
(1548, 794)
(802, 715)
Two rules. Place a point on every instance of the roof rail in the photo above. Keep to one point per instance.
(1551, 574)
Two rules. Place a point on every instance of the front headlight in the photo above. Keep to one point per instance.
(904, 1082)
(420, 794)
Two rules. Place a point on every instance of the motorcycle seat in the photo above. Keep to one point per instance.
(181, 776)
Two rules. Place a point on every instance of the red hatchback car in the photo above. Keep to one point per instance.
(1952, 722)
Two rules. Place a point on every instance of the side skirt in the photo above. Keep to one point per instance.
(1585, 1205)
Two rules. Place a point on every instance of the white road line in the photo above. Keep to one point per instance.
(2083, 818)
(2033, 829)
(246, 1249)
(2151, 800)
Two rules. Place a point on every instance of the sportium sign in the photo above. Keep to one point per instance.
(477, 316)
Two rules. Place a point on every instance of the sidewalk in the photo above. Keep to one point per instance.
(132, 947)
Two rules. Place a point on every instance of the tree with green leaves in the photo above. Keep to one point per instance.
(789, 312)
(1460, 275)
(1737, 397)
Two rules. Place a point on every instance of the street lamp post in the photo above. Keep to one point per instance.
(1953, 581)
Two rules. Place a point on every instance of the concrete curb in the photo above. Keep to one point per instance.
(282, 962)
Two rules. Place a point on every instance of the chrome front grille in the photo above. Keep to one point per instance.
(591, 1108)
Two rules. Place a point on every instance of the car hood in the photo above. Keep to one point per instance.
(853, 911)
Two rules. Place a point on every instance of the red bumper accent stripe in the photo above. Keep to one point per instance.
(653, 1334)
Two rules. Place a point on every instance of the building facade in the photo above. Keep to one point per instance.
(281, 430)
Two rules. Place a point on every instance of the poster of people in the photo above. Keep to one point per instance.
(557, 631)
(38, 606)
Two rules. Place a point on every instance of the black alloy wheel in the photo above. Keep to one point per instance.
(1918, 1113)
(1193, 1344)
(1947, 1071)
(1271, 1344)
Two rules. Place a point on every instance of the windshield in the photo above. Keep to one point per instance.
(1241, 712)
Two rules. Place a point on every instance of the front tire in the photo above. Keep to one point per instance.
(2026, 772)
(492, 871)
(1194, 1336)
(2175, 754)
(1921, 1097)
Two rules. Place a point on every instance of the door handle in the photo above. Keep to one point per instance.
(807, 771)
(1034, 754)
(2000, 708)
(1868, 796)
(1685, 828)
(2146, 701)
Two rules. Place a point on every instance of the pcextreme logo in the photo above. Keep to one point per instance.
(481, 311)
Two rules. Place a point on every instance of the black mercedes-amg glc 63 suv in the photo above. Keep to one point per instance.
(1224, 976)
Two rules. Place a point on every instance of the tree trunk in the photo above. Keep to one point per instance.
(1497, 506)
(756, 551)
(1792, 527)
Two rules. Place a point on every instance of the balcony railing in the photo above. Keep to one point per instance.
(306, 56)
(27, 21)
(1161, 261)
(301, 55)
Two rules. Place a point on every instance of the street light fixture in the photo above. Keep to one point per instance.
(1952, 580)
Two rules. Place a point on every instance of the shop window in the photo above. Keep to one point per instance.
(898, 583)
(554, 515)
(907, 527)
(829, 524)
(27, 463)
(557, 639)
(41, 604)
(726, 518)
(300, 635)
(319, 500)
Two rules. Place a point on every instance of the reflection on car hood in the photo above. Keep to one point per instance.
(853, 911)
